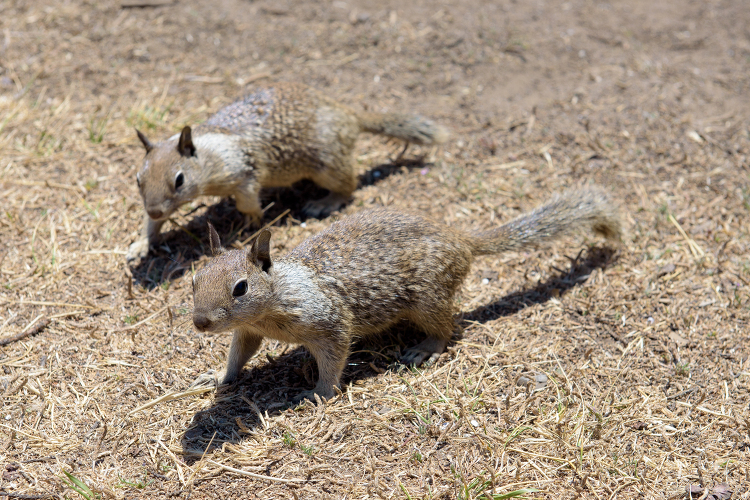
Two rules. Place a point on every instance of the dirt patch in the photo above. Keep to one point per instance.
(582, 370)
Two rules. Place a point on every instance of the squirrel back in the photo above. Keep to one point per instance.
(383, 265)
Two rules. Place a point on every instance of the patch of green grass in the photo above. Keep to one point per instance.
(146, 117)
(510, 494)
(136, 483)
(307, 450)
(682, 369)
(289, 440)
(515, 433)
(131, 319)
(477, 489)
(96, 129)
(47, 144)
(93, 211)
(79, 487)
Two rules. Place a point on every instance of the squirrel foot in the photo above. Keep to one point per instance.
(209, 379)
(428, 351)
(318, 209)
(311, 396)
(137, 251)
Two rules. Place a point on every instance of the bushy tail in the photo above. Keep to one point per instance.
(569, 212)
(411, 128)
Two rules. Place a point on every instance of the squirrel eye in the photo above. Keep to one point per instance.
(240, 288)
(179, 180)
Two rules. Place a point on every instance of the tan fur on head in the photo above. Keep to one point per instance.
(167, 179)
(231, 291)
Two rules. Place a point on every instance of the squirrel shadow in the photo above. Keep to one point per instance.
(555, 286)
(182, 246)
(271, 386)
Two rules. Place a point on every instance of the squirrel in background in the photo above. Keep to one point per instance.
(272, 138)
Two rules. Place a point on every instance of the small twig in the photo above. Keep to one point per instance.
(187, 231)
(135, 4)
(695, 249)
(170, 396)
(52, 304)
(683, 393)
(256, 233)
(25, 497)
(28, 331)
(256, 476)
(132, 327)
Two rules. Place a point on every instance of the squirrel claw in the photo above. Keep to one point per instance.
(416, 357)
(312, 396)
(137, 252)
(425, 352)
(208, 379)
(317, 209)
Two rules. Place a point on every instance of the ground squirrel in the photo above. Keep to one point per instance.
(271, 138)
(362, 275)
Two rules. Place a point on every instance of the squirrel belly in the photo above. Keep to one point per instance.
(273, 137)
(363, 274)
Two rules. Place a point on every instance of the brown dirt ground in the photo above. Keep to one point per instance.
(645, 347)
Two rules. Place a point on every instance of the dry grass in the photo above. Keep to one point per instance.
(641, 352)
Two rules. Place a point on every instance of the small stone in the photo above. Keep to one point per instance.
(667, 269)
(475, 423)
(538, 379)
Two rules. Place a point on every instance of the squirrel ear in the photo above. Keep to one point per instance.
(214, 242)
(260, 252)
(185, 144)
(144, 140)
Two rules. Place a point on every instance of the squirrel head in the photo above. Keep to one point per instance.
(166, 179)
(234, 288)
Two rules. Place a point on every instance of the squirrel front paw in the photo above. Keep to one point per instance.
(137, 252)
(209, 379)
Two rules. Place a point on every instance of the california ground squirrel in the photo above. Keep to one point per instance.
(271, 138)
(362, 275)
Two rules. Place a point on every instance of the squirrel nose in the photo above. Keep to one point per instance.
(201, 322)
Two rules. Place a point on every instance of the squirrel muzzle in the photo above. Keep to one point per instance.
(201, 322)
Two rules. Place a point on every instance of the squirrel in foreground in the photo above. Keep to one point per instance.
(360, 276)
(272, 138)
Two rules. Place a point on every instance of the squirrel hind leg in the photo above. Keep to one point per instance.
(340, 180)
(325, 206)
(428, 351)
(439, 327)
